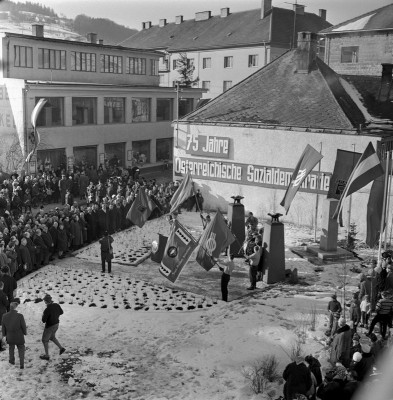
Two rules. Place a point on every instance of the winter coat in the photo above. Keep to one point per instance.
(9, 286)
(83, 226)
(4, 261)
(4, 303)
(341, 346)
(53, 233)
(25, 258)
(354, 311)
(12, 256)
(62, 240)
(297, 380)
(332, 390)
(14, 327)
(364, 367)
(76, 233)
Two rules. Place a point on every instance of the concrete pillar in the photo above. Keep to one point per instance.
(100, 110)
(128, 110)
(68, 111)
(274, 252)
(153, 109)
(329, 226)
(236, 218)
(153, 151)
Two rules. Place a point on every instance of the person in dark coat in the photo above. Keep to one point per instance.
(90, 225)
(333, 385)
(10, 283)
(103, 220)
(334, 309)
(62, 241)
(50, 318)
(43, 251)
(315, 367)
(13, 327)
(53, 230)
(106, 251)
(4, 305)
(297, 378)
(32, 250)
(341, 344)
(118, 216)
(83, 225)
(364, 367)
(76, 233)
(112, 219)
(47, 238)
(26, 262)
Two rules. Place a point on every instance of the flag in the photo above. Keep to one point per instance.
(374, 211)
(307, 162)
(345, 162)
(183, 192)
(140, 209)
(214, 239)
(34, 115)
(157, 248)
(366, 170)
(178, 250)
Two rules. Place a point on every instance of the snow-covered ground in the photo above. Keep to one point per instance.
(138, 348)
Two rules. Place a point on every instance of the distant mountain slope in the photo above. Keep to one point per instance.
(109, 31)
(18, 18)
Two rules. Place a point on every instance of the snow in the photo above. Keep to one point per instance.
(134, 353)
(355, 25)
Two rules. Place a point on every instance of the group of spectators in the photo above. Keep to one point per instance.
(31, 238)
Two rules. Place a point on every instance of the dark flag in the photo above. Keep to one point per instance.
(366, 170)
(309, 159)
(345, 163)
(214, 239)
(158, 248)
(34, 115)
(374, 211)
(183, 192)
(141, 208)
(178, 250)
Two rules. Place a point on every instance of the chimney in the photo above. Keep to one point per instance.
(92, 37)
(306, 51)
(266, 6)
(203, 15)
(162, 23)
(224, 12)
(37, 30)
(178, 19)
(299, 9)
(322, 13)
(146, 25)
(101, 42)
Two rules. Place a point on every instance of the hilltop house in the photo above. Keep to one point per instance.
(225, 48)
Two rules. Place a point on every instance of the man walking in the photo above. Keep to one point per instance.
(226, 276)
(384, 310)
(51, 319)
(13, 327)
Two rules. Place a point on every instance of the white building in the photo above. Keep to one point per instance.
(102, 101)
(226, 48)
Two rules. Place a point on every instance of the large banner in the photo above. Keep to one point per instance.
(250, 174)
(178, 250)
(345, 163)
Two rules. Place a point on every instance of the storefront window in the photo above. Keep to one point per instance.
(85, 156)
(141, 150)
(140, 110)
(114, 110)
(115, 154)
(53, 158)
(164, 149)
(164, 110)
(52, 114)
(84, 110)
(185, 106)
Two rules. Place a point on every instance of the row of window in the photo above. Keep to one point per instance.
(225, 85)
(253, 60)
(84, 110)
(82, 61)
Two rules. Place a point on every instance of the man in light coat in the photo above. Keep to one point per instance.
(341, 344)
(13, 327)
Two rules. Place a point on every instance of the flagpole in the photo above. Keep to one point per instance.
(383, 207)
(350, 198)
(317, 200)
(388, 200)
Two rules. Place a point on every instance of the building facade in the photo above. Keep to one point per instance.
(102, 101)
(359, 46)
(225, 49)
(242, 143)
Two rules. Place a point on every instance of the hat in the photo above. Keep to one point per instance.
(340, 373)
(47, 298)
(365, 348)
(334, 296)
(15, 300)
(357, 357)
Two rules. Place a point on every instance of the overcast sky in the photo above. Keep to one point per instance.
(132, 13)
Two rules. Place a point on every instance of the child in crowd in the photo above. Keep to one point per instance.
(365, 310)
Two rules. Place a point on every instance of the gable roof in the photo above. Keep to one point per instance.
(243, 28)
(379, 19)
(278, 95)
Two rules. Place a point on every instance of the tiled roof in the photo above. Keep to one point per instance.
(381, 18)
(278, 95)
(237, 29)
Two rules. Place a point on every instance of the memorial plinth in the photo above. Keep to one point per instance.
(274, 252)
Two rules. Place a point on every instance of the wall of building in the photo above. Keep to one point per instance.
(278, 151)
(217, 74)
(374, 48)
(67, 75)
